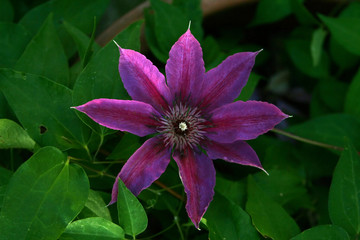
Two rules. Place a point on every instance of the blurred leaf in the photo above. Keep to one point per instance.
(286, 188)
(226, 220)
(43, 109)
(128, 144)
(81, 40)
(299, 51)
(269, 218)
(45, 56)
(100, 78)
(302, 14)
(80, 13)
(132, 216)
(249, 88)
(328, 97)
(269, 11)
(345, 30)
(344, 194)
(235, 191)
(95, 228)
(95, 207)
(323, 232)
(5, 176)
(168, 24)
(351, 10)
(13, 135)
(43, 197)
(352, 105)
(212, 53)
(6, 11)
(13, 41)
(193, 12)
(342, 57)
(330, 129)
(316, 45)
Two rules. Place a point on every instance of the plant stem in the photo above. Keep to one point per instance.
(306, 140)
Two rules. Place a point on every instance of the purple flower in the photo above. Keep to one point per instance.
(190, 110)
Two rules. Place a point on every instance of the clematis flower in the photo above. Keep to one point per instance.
(191, 111)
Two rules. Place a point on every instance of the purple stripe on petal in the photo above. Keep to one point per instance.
(237, 152)
(197, 173)
(185, 69)
(144, 167)
(243, 121)
(224, 83)
(142, 79)
(124, 115)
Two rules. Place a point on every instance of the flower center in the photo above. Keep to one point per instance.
(182, 127)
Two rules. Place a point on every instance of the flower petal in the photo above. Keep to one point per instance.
(237, 152)
(143, 167)
(124, 115)
(185, 69)
(243, 121)
(197, 173)
(224, 83)
(142, 79)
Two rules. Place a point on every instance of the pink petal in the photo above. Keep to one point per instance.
(243, 121)
(124, 115)
(224, 83)
(237, 152)
(144, 167)
(197, 173)
(142, 79)
(185, 69)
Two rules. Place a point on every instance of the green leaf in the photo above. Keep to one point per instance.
(95, 207)
(285, 187)
(13, 41)
(44, 195)
(132, 216)
(5, 176)
(235, 191)
(345, 30)
(342, 57)
(299, 51)
(330, 129)
(43, 109)
(80, 13)
(302, 14)
(45, 56)
(81, 40)
(168, 23)
(128, 144)
(316, 45)
(95, 228)
(269, 11)
(344, 194)
(323, 232)
(352, 105)
(270, 219)
(100, 78)
(249, 88)
(6, 11)
(328, 97)
(14, 136)
(227, 220)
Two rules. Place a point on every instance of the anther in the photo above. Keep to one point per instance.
(182, 126)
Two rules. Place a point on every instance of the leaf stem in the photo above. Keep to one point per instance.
(172, 192)
(306, 140)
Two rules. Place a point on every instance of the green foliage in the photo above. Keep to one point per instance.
(132, 216)
(323, 232)
(268, 216)
(227, 220)
(96, 227)
(344, 195)
(43, 196)
(14, 136)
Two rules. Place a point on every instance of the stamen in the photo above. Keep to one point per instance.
(182, 126)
